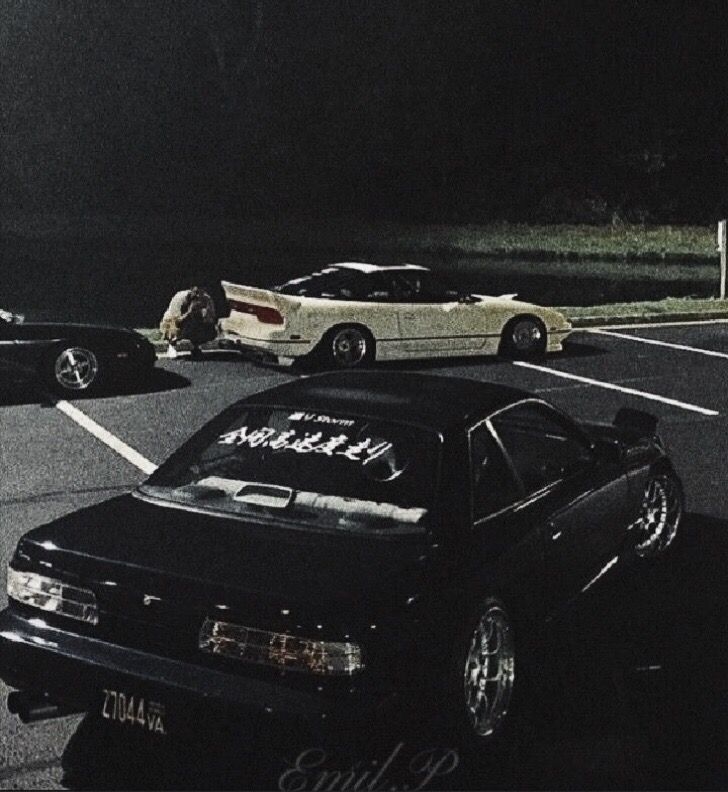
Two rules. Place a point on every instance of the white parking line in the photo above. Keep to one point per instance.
(620, 388)
(111, 440)
(683, 347)
(648, 325)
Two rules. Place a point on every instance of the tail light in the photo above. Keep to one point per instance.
(263, 313)
(279, 650)
(52, 595)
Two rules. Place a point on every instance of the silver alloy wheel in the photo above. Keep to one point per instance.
(76, 368)
(348, 347)
(526, 335)
(660, 516)
(489, 672)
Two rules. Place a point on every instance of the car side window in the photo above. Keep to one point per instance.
(421, 286)
(542, 445)
(494, 485)
(331, 284)
(381, 287)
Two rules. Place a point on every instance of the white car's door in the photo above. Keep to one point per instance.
(434, 320)
(439, 327)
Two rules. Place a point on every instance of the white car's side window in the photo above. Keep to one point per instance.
(423, 287)
(382, 287)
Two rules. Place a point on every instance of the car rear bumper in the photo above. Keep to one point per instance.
(74, 670)
(279, 353)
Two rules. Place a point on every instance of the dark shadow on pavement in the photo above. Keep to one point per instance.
(19, 392)
(578, 349)
(573, 350)
(27, 391)
(424, 364)
(214, 355)
(158, 381)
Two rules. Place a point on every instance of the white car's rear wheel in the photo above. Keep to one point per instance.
(348, 347)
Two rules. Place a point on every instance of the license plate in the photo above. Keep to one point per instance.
(134, 712)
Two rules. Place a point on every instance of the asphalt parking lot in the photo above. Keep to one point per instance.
(671, 618)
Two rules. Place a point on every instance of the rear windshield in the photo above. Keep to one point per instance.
(331, 283)
(319, 468)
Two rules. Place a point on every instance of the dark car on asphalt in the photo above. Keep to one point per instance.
(72, 359)
(334, 550)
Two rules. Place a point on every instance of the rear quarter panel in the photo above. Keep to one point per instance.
(317, 316)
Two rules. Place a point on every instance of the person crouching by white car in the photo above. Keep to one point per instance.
(189, 317)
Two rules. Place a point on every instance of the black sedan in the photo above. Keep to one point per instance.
(332, 550)
(72, 359)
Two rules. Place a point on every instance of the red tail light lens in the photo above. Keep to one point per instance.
(262, 313)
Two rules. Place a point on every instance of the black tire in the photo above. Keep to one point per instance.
(502, 741)
(661, 514)
(347, 347)
(73, 370)
(523, 337)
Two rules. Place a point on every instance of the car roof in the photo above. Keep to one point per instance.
(439, 402)
(368, 268)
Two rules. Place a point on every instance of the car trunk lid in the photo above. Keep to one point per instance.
(256, 312)
(174, 567)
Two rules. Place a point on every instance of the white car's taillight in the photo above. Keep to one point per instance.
(54, 596)
(279, 650)
(263, 313)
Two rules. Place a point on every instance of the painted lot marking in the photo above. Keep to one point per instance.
(655, 342)
(111, 440)
(648, 325)
(620, 388)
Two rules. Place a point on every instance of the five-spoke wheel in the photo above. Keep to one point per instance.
(75, 369)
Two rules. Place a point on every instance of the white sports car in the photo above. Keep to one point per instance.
(350, 314)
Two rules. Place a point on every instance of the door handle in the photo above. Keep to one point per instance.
(554, 531)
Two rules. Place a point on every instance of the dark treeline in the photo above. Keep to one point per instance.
(462, 110)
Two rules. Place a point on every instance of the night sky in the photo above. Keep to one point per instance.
(464, 110)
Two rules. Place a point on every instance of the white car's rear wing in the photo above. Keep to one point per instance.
(267, 306)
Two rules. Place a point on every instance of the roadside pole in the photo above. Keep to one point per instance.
(722, 248)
